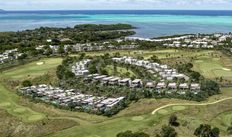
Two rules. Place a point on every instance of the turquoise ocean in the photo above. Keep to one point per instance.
(149, 23)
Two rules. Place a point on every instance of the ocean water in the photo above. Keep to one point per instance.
(149, 23)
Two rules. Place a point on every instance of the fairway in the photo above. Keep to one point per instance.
(8, 101)
(32, 70)
(213, 67)
(135, 118)
(162, 54)
(223, 120)
(187, 115)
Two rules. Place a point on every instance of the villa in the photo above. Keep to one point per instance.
(195, 87)
(106, 80)
(150, 85)
(125, 82)
(99, 78)
(161, 85)
(114, 81)
(172, 86)
(63, 98)
(184, 86)
(163, 72)
(137, 83)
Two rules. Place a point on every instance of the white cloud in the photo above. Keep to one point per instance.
(114, 4)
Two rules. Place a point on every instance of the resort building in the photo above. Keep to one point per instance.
(125, 82)
(63, 98)
(137, 83)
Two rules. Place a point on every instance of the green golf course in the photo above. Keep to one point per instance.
(137, 117)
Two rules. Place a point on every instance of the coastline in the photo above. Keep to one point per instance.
(149, 23)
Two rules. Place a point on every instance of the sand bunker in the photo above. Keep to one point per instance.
(226, 69)
(40, 63)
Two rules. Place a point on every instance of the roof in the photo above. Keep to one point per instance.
(136, 80)
(161, 84)
(100, 77)
(125, 80)
(115, 79)
(183, 85)
(150, 84)
(172, 85)
(195, 85)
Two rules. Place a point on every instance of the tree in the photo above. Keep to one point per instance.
(154, 58)
(82, 56)
(61, 50)
(147, 93)
(23, 56)
(229, 130)
(48, 51)
(195, 76)
(210, 87)
(130, 134)
(215, 132)
(92, 69)
(68, 74)
(59, 71)
(115, 68)
(117, 54)
(173, 120)
(205, 130)
(167, 131)
(26, 83)
(69, 49)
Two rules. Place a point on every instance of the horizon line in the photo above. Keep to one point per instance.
(119, 10)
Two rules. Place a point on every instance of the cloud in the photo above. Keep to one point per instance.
(114, 4)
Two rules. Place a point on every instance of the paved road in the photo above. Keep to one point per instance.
(190, 104)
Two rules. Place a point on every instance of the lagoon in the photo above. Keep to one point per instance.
(151, 23)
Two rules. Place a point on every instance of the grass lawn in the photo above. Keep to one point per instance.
(190, 117)
(137, 117)
(32, 69)
(9, 102)
(214, 67)
(122, 72)
(223, 120)
(164, 53)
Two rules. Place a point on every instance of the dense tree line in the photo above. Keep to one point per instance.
(187, 69)
(103, 27)
(81, 33)
(205, 130)
(131, 134)
(91, 36)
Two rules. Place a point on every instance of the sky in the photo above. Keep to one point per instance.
(115, 4)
